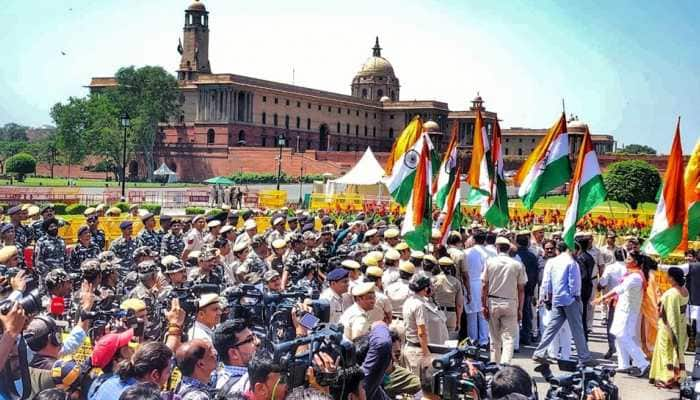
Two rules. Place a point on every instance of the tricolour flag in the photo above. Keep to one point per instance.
(692, 193)
(547, 167)
(587, 189)
(496, 208)
(667, 230)
(400, 171)
(446, 174)
(417, 224)
(479, 177)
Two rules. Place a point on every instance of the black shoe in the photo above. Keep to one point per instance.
(540, 359)
(609, 354)
(641, 373)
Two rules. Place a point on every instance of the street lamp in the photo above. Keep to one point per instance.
(301, 174)
(125, 122)
(281, 142)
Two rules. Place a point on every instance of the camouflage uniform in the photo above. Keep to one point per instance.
(148, 238)
(252, 269)
(172, 245)
(37, 229)
(124, 250)
(291, 264)
(99, 238)
(49, 254)
(274, 235)
(81, 253)
(214, 277)
(23, 235)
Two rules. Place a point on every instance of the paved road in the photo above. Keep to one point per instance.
(630, 387)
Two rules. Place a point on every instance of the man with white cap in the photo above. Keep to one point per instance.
(209, 312)
(337, 287)
(213, 234)
(250, 228)
(382, 310)
(194, 240)
(447, 293)
(148, 235)
(391, 238)
(373, 240)
(355, 320)
(398, 291)
(391, 267)
(208, 269)
(278, 229)
(253, 268)
(355, 275)
(240, 252)
(277, 258)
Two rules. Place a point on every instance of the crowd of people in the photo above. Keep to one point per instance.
(166, 314)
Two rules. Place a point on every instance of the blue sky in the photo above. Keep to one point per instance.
(625, 67)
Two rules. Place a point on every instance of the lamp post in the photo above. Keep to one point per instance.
(281, 142)
(125, 122)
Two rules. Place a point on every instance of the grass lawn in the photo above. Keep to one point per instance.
(61, 182)
(561, 202)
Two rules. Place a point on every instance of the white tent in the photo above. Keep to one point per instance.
(364, 178)
(163, 170)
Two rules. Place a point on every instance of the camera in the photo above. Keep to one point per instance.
(579, 383)
(9, 273)
(452, 381)
(30, 303)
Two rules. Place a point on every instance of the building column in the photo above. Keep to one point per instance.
(235, 105)
(250, 116)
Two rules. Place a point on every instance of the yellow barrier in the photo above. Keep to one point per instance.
(272, 198)
(110, 225)
(349, 201)
(319, 201)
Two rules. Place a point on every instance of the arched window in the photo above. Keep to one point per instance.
(210, 136)
(274, 119)
(380, 93)
(308, 124)
(357, 130)
(347, 129)
(393, 96)
(337, 129)
(364, 93)
(520, 152)
(391, 133)
(264, 118)
(241, 137)
(286, 121)
(298, 122)
(365, 130)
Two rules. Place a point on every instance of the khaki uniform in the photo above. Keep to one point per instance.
(503, 275)
(457, 255)
(391, 275)
(397, 293)
(420, 311)
(447, 292)
(194, 240)
(382, 307)
(355, 322)
(336, 304)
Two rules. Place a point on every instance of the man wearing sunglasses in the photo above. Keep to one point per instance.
(236, 345)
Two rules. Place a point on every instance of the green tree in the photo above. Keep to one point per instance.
(107, 137)
(72, 121)
(637, 149)
(21, 164)
(632, 182)
(8, 149)
(12, 132)
(150, 95)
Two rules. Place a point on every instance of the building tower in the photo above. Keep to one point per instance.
(376, 79)
(194, 47)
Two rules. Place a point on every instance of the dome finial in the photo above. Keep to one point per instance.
(376, 50)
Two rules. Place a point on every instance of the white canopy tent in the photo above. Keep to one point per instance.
(364, 178)
(164, 171)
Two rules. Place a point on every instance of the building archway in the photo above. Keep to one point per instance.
(241, 137)
(323, 138)
(133, 169)
(211, 136)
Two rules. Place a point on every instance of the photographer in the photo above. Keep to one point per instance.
(208, 316)
(196, 360)
(236, 345)
(511, 379)
(265, 379)
(373, 352)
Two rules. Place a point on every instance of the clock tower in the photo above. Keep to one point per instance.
(194, 47)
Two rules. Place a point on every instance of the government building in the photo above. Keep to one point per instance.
(229, 123)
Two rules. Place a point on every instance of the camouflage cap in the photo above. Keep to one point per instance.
(109, 257)
(147, 267)
(91, 264)
(144, 251)
(207, 253)
(257, 241)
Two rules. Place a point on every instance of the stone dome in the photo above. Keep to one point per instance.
(431, 126)
(384, 98)
(376, 66)
(197, 6)
(576, 126)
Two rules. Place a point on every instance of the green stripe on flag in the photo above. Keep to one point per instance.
(667, 240)
(590, 195)
(497, 214)
(402, 194)
(694, 221)
(554, 175)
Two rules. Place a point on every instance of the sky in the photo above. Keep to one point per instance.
(627, 68)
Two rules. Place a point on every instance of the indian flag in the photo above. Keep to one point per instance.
(587, 189)
(495, 210)
(451, 209)
(692, 193)
(478, 177)
(400, 171)
(417, 223)
(446, 174)
(547, 167)
(667, 229)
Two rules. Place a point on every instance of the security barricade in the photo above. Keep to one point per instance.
(272, 198)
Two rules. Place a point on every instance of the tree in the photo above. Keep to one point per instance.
(150, 95)
(12, 132)
(637, 149)
(632, 182)
(8, 149)
(107, 137)
(72, 121)
(21, 164)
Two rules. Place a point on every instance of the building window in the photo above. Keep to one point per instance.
(286, 102)
(286, 121)
(210, 136)
(329, 108)
(507, 151)
(364, 93)
(520, 140)
(348, 111)
(347, 128)
(298, 122)
(319, 107)
(338, 110)
(520, 152)
(338, 127)
(533, 140)
(391, 116)
(391, 133)
(308, 124)
(276, 100)
(308, 144)
(308, 105)
(264, 141)
(241, 137)
(365, 130)
(357, 130)
(366, 114)
(357, 113)
(274, 119)
(380, 94)
(298, 104)
(374, 115)
(264, 118)
(264, 99)
(507, 140)
(374, 131)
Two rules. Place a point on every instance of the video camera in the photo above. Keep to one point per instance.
(452, 380)
(9, 273)
(30, 303)
(119, 319)
(579, 383)
(325, 339)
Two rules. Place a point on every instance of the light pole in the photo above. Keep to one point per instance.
(125, 122)
(301, 174)
(281, 142)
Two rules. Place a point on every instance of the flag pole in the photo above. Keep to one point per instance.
(563, 107)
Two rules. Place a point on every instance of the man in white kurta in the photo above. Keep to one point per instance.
(475, 258)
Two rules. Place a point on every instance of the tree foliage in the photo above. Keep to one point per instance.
(72, 122)
(637, 149)
(632, 182)
(20, 164)
(12, 131)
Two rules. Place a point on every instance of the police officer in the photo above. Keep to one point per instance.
(391, 238)
(355, 319)
(47, 212)
(145, 291)
(250, 228)
(425, 323)
(337, 287)
(382, 310)
(175, 274)
(399, 291)
(293, 260)
(448, 295)
(391, 267)
(109, 289)
(240, 252)
(208, 267)
(83, 250)
(22, 233)
(124, 246)
(277, 258)
(253, 268)
(50, 250)
(98, 235)
(173, 242)
(148, 235)
(194, 239)
(277, 231)
(213, 234)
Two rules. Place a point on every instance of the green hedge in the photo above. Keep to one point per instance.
(60, 208)
(122, 206)
(268, 177)
(194, 210)
(75, 209)
(214, 211)
(153, 208)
